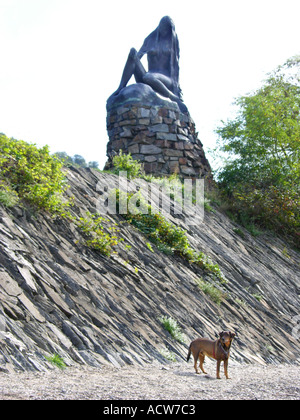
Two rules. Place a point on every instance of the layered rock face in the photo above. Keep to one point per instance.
(57, 296)
(158, 135)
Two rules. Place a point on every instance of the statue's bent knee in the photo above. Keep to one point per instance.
(133, 53)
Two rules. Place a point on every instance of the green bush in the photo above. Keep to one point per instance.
(271, 207)
(57, 361)
(96, 238)
(212, 291)
(168, 237)
(168, 355)
(125, 163)
(32, 174)
(8, 197)
(173, 328)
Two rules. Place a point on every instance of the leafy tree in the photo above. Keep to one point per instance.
(80, 161)
(262, 169)
(94, 165)
(76, 160)
(65, 158)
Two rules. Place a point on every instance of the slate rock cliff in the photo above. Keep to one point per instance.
(59, 297)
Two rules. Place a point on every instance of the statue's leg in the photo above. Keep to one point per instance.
(139, 71)
(132, 67)
(153, 80)
(163, 86)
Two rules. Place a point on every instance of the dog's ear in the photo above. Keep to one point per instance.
(232, 335)
(221, 333)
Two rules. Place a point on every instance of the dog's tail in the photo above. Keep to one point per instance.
(189, 353)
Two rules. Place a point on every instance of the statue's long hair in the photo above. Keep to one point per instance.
(153, 40)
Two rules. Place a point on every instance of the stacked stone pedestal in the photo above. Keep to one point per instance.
(161, 137)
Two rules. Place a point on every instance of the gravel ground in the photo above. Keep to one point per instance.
(173, 382)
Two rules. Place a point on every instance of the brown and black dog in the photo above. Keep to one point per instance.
(218, 350)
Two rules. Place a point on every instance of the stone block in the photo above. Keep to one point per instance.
(163, 112)
(143, 113)
(117, 144)
(127, 122)
(142, 138)
(160, 159)
(182, 137)
(173, 115)
(185, 118)
(179, 145)
(188, 146)
(129, 115)
(162, 143)
(144, 121)
(135, 148)
(166, 136)
(150, 167)
(190, 154)
(186, 170)
(183, 161)
(173, 153)
(126, 132)
(138, 157)
(197, 163)
(161, 128)
(150, 158)
(183, 131)
(121, 110)
(156, 120)
(150, 149)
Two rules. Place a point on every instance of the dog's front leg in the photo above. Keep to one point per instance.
(218, 369)
(226, 368)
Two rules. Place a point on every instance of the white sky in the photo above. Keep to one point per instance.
(61, 59)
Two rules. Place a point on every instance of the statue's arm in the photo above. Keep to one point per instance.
(143, 50)
(141, 53)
